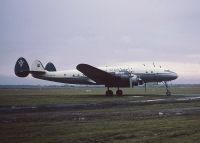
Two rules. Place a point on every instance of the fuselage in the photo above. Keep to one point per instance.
(143, 72)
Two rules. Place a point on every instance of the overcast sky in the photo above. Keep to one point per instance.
(100, 32)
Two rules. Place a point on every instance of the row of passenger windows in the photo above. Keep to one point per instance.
(149, 72)
(121, 70)
(78, 75)
(75, 75)
(128, 69)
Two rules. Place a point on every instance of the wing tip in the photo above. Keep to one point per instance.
(80, 66)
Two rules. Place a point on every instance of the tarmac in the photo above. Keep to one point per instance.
(104, 105)
(86, 112)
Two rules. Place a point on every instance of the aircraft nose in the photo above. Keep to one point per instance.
(174, 75)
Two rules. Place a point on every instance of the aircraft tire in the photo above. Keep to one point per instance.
(109, 93)
(119, 93)
(168, 93)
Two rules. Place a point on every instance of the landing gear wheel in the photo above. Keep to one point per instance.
(109, 93)
(119, 92)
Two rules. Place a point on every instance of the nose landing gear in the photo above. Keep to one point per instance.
(168, 92)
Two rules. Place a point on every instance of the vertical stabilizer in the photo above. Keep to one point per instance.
(22, 68)
(50, 67)
(37, 66)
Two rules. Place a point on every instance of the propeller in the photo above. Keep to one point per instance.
(131, 83)
(135, 80)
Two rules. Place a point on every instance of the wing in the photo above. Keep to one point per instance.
(100, 76)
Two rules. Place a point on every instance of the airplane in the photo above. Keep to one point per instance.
(85, 74)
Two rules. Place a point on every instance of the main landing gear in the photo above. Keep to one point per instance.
(110, 92)
(168, 93)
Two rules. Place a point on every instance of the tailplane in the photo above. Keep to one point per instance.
(22, 68)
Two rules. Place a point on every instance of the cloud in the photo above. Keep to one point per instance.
(99, 32)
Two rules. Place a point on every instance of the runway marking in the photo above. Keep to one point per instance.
(152, 100)
(155, 100)
(188, 98)
(160, 113)
(18, 107)
(137, 96)
(169, 99)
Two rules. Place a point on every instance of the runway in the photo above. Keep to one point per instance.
(104, 105)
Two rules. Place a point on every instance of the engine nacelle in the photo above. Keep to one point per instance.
(122, 74)
(134, 80)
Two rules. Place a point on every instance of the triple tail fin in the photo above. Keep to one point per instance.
(22, 68)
